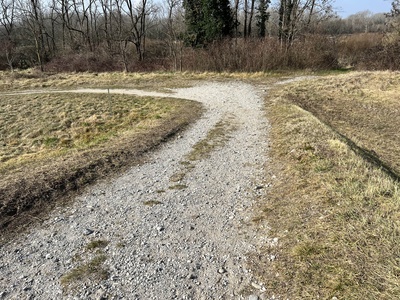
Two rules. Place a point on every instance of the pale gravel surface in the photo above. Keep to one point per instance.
(193, 245)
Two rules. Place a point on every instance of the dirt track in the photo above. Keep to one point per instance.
(176, 227)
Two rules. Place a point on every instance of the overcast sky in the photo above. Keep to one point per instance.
(349, 7)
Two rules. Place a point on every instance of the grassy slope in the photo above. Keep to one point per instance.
(336, 213)
(52, 144)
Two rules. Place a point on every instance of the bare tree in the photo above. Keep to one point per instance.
(251, 14)
(246, 12)
(393, 36)
(236, 17)
(7, 22)
(174, 29)
(297, 16)
(31, 13)
(137, 15)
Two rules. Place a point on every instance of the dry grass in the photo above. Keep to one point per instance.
(364, 107)
(41, 126)
(96, 244)
(215, 138)
(89, 272)
(334, 211)
(90, 266)
(32, 79)
(55, 143)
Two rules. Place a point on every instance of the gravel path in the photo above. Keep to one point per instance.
(166, 229)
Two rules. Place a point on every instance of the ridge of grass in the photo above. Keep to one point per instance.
(216, 137)
(334, 212)
(363, 107)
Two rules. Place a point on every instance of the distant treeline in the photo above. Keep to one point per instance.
(236, 35)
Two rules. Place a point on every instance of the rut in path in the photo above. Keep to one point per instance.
(175, 227)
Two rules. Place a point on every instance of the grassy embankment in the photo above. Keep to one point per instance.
(335, 204)
(54, 143)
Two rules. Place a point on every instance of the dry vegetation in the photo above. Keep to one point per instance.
(39, 126)
(335, 205)
(90, 266)
(32, 79)
(216, 137)
(55, 143)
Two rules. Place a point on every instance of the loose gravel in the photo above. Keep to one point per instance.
(146, 236)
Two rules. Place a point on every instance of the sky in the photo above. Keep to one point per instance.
(348, 7)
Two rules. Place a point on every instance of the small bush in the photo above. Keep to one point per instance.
(83, 62)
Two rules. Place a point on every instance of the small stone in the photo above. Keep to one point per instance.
(259, 187)
(221, 270)
(256, 286)
(253, 297)
(160, 228)
(192, 276)
(88, 231)
(100, 294)
(334, 298)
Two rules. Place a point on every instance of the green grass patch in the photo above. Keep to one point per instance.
(92, 270)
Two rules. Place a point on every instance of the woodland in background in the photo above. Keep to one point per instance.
(194, 35)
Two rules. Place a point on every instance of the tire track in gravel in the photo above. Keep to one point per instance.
(155, 240)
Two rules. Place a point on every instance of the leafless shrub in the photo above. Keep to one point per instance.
(252, 55)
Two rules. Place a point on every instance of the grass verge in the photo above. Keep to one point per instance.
(161, 81)
(53, 144)
(334, 212)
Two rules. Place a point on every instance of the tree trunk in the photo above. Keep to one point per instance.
(246, 4)
(251, 18)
